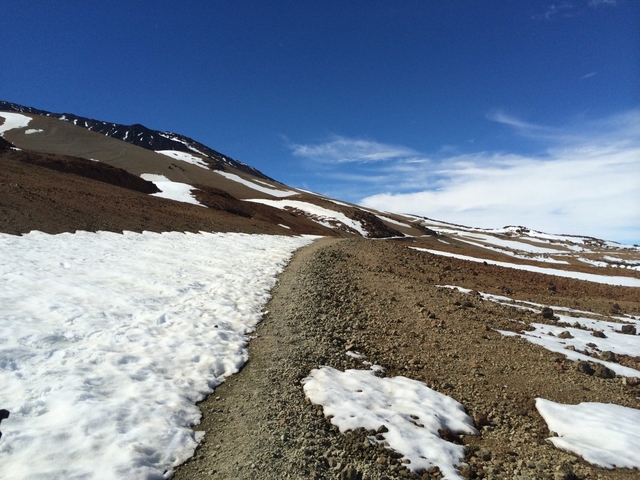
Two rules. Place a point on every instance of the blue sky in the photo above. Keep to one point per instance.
(483, 113)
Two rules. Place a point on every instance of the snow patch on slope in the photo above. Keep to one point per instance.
(269, 191)
(107, 341)
(603, 434)
(411, 412)
(590, 277)
(184, 157)
(318, 214)
(12, 121)
(180, 192)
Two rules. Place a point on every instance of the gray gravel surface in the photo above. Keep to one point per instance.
(380, 298)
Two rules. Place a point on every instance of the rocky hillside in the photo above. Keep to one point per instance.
(494, 318)
(141, 136)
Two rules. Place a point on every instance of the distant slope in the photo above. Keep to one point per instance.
(32, 197)
(140, 136)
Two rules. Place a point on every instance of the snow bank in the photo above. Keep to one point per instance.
(184, 157)
(547, 336)
(589, 277)
(321, 215)
(180, 192)
(603, 434)
(13, 120)
(269, 191)
(108, 340)
(411, 412)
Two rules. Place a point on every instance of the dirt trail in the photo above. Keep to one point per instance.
(381, 299)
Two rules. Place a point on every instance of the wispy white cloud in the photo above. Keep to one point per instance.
(342, 150)
(597, 3)
(565, 9)
(586, 190)
(506, 119)
(562, 9)
(589, 75)
(584, 181)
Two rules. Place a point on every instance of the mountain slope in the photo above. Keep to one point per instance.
(140, 136)
(252, 202)
(493, 318)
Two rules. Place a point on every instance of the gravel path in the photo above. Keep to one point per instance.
(380, 298)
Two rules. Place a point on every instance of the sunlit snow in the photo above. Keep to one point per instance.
(184, 157)
(604, 434)
(411, 412)
(581, 339)
(270, 191)
(181, 192)
(13, 120)
(108, 340)
(590, 277)
(321, 215)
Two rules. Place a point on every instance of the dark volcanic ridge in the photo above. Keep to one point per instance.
(141, 136)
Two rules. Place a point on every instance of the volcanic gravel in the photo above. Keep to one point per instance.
(381, 299)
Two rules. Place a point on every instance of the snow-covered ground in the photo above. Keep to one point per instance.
(274, 192)
(181, 192)
(580, 339)
(108, 340)
(184, 157)
(503, 243)
(607, 435)
(604, 434)
(13, 120)
(590, 277)
(318, 214)
(409, 412)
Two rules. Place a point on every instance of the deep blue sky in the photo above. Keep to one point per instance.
(355, 99)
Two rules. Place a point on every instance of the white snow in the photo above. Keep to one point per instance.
(595, 263)
(180, 192)
(184, 157)
(13, 120)
(511, 302)
(547, 335)
(504, 243)
(603, 434)
(412, 412)
(269, 191)
(538, 257)
(177, 139)
(108, 340)
(615, 342)
(590, 277)
(29, 131)
(318, 214)
(392, 221)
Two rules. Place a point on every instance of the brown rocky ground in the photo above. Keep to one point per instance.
(56, 193)
(380, 298)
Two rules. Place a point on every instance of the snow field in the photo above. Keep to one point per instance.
(13, 120)
(269, 191)
(321, 215)
(180, 192)
(411, 412)
(607, 435)
(184, 157)
(589, 277)
(603, 434)
(547, 336)
(108, 340)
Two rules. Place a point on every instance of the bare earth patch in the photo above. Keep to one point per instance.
(381, 299)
